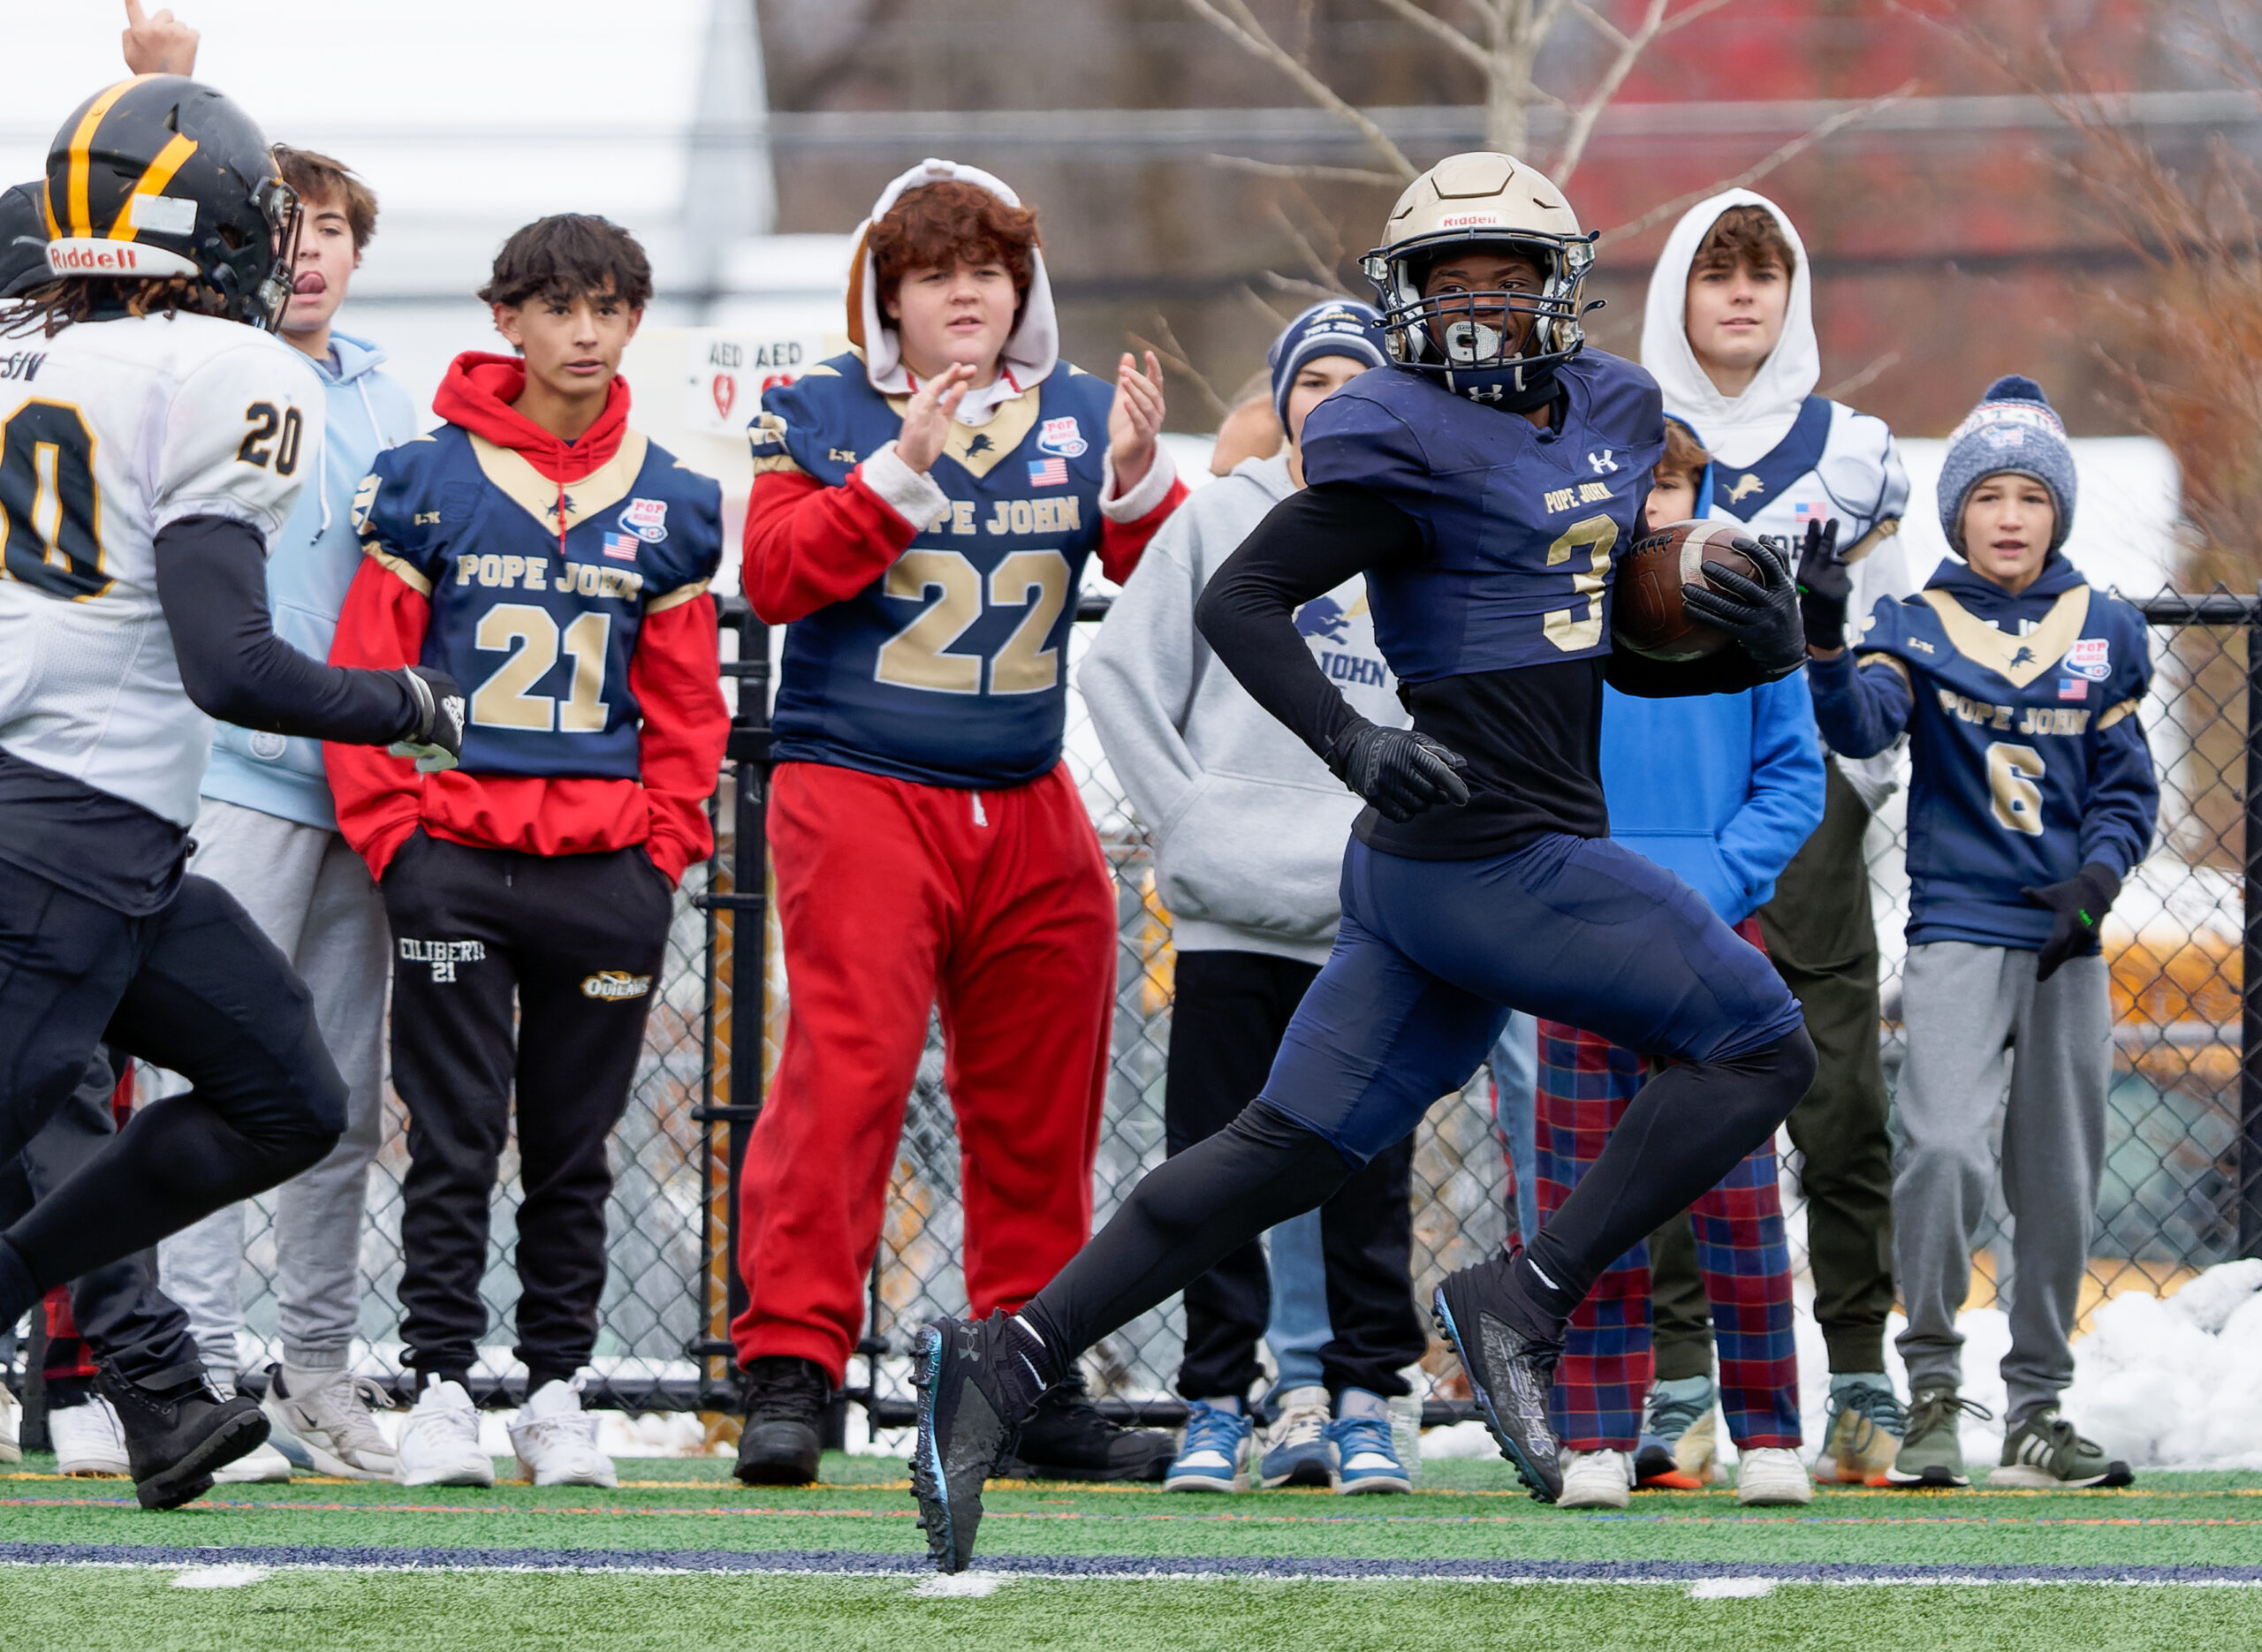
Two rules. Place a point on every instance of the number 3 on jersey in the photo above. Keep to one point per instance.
(51, 515)
(917, 657)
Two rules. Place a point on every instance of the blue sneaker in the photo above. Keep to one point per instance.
(1296, 1447)
(1366, 1457)
(1214, 1456)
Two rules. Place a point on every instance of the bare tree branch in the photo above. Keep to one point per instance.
(1280, 283)
(1234, 20)
(1752, 174)
(1312, 174)
(1866, 377)
(1601, 24)
(1274, 321)
(1629, 48)
(1173, 354)
(1438, 29)
(1317, 268)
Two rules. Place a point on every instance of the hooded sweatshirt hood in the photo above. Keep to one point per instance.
(1031, 352)
(1738, 430)
(477, 393)
(1983, 597)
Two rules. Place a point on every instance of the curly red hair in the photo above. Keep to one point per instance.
(937, 225)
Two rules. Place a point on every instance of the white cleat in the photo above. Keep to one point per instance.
(88, 1441)
(320, 1419)
(439, 1444)
(557, 1441)
(261, 1466)
(1597, 1480)
(1769, 1475)
(11, 1450)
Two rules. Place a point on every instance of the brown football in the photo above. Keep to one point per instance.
(1646, 613)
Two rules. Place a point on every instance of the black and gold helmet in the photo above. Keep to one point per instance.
(161, 176)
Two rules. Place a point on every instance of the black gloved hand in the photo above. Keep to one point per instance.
(1824, 585)
(2081, 903)
(1400, 772)
(1761, 614)
(435, 738)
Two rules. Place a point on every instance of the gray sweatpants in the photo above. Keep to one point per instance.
(316, 900)
(1967, 1008)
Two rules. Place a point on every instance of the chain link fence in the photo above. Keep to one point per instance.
(2170, 1204)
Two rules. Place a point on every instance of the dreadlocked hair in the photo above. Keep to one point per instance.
(54, 305)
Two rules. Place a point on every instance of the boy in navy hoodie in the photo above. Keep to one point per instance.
(267, 833)
(2034, 794)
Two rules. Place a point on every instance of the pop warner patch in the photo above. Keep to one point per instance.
(647, 518)
(1061, 436)
(2090, 657)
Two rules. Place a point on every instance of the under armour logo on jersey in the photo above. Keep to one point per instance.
(1603, 462)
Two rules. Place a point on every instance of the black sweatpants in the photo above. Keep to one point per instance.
(1226, 1018)
(121, 1314)
(577, 941)
(194, 986)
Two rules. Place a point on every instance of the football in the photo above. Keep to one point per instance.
(1647, 615)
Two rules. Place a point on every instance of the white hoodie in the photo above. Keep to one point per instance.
(1769, 471)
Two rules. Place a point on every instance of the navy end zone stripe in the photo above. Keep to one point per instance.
(844, 1563)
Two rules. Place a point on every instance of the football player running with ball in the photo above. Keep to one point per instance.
(154, 436)
(1482, 484)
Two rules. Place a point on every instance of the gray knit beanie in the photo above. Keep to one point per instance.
(2014, 428)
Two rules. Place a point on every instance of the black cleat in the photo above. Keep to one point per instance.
(786, 1402)
(978, 1385)
(1509, 1373)
(1068, 1439)
(178, 1429)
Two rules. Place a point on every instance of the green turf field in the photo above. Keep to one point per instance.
(680, 1556)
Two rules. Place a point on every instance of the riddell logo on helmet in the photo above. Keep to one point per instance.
(91, 255)
(1469, 221)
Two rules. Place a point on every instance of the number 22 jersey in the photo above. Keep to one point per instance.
(112, 431)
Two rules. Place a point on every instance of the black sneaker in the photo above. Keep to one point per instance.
(1509, 1373)
(786, 1402)
(178, 1429)
(978, 1384)
(1068, 1439)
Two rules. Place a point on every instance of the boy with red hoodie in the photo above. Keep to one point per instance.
(558, 561)
(924, 508)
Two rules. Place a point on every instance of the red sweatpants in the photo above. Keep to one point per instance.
(894, 897)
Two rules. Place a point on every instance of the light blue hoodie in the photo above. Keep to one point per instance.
(313, 561)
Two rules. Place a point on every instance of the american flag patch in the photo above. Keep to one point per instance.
(2072, 688)
(1048, 473)
(1802, 514)
(622, 547)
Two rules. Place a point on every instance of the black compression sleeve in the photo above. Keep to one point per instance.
(1312, 542)
(212, 584)
(1728, 670)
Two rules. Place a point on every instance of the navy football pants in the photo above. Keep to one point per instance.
(1429, 957)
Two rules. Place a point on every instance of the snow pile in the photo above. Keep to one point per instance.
(2177, 1381)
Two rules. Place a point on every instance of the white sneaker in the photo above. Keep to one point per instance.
(261, 1466)
(439, 1444)
(1771, 1473)
(1597, 1480)
(11, 1449)
(88, 1441)
(320, 1422)
(557, 1441)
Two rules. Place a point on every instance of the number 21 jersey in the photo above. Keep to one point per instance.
(109, 432)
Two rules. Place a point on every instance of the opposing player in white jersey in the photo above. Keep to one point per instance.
(153, 439)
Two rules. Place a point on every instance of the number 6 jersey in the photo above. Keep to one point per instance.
(109, 432)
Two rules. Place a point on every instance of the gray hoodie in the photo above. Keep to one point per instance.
(1248, 825)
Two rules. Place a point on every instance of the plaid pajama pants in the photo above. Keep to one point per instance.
(1585, 1083)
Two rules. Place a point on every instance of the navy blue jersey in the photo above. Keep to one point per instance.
(950, 669)
(539, 628)
(2027, 758)
(1520, 526)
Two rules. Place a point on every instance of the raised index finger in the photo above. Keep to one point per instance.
(135, 18)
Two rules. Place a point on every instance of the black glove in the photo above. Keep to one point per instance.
(1400, 772)
(435, 738)
(2081, 903)
(1762, 616)
(1824, 586)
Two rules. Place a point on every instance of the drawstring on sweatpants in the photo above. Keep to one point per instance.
(980, 819)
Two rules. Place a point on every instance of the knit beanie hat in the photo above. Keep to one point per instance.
(1334, 327)
(2012, 430)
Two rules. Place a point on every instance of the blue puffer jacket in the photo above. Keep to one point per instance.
(313, 560)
